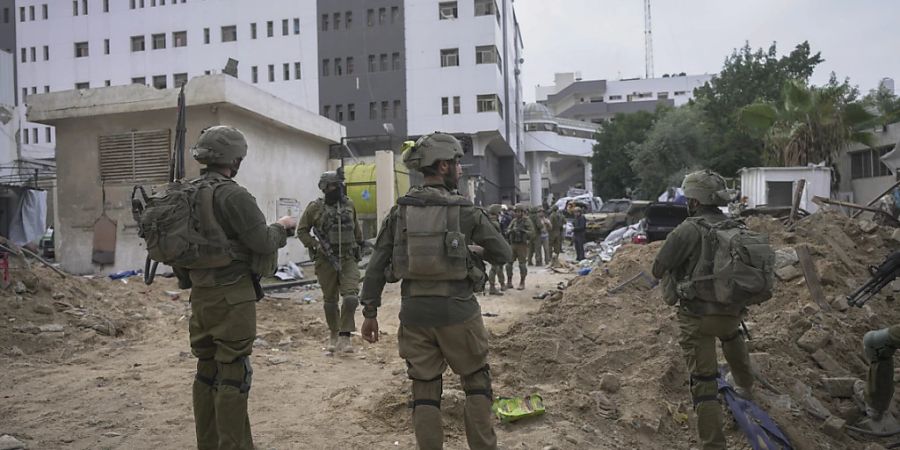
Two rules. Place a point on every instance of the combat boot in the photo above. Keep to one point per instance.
(521, 283)
(509, 284)
(343, 344)
(494, 290)
(332, 342)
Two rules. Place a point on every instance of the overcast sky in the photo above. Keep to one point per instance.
(604, 39)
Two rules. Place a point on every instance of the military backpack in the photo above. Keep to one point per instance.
(736, 266)
(429, 244)
(180, 228)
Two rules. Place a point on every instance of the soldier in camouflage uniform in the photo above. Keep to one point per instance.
(334, 218)
(703, 322)
(496, 274)
(423, 242)
(879, 346)
(223, 300)
(519, 232)
(557, 224)
(535, 245)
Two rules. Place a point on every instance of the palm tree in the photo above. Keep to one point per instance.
(809, 125)
(886, 106)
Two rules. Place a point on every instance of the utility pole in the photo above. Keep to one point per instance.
(648, 42)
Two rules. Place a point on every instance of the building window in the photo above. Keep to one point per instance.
(84, 6)
(21, 14)
(159, 81)
(27, 136)
(384, 62)
(179, 39)
(485, 54)
(326, 111)
(135, 156)
(24, 54)
(83, 85)
(106, 6)
(485, 8)
(488, 103)
(33, 54)
(46, 88)
(337, 21)
(254, 74)
(325, 64)
(296, 26)
(395, 61)
(271, 73)
(867, 163)
(447, 10)
(384, 110)
(74, 9)
(324, 22)
(286, 71)
(445, 106)
(395, 14)
(45, 12)
(81, 49)
(449, 57)
(5, 15)
(370, 17)
(132, 4)
(47, 52)
(338, 67)
(158, 41)
(206, 35)
(348, 19)
(456, 104)
(47, 135)
(34, 134)
(350, 68)
(139, 80)
(179, 79)
(680, 93)
(615, 97)
(252, 31)
(285, 27)
(396, 109)
(373, 67)
(229, 33)
(351, 112)
(137, 43)
(659, 96)
(382, 15)
(297, 72)
(339, 113)
(373, 111)
(270, 28)
(106, 46)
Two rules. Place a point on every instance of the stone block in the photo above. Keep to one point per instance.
(834, 427)
(826, 362)
(839, 387)
(788, 273)
(785, 257)
(814, 339)
(867, 226)
(895, 235)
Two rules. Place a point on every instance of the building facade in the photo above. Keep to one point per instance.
(405, 68)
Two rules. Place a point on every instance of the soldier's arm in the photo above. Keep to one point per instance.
(305, 225)
(496, 250)
(357, 230)
(249, 223)
(374, 280)
(676, 250)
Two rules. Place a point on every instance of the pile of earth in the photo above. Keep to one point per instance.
(51, 317)
(611, 372)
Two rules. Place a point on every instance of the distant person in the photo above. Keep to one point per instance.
(520, 231)
(495, 278)
(535, 246)
(557, 228)
(223, 299)
(579, 233)
(422, 242)
(545, 234)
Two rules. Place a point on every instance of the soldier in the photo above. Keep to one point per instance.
(496, 274)
(579, 233)
(223, 300)
(506, 218)
(534, 241)
(333, 221)
(557, 225)
(520, 230)
(880, 346)
(545, 234)
(423, 242)
(702, 322)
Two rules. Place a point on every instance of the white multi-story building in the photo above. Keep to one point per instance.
(79, 44)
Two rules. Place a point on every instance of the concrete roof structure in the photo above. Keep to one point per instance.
(208, 90)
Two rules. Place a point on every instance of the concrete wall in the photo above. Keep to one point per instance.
(280, 163)
(862, 190)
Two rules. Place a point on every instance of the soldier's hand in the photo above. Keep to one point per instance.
(288, 222)
(369, 330)
(476, 249)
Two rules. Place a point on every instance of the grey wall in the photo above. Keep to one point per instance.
(362, 87)
(8, 36)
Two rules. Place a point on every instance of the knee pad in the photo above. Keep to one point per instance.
(877, 345)
(351, 301)
(478, 383)
(238, 374)
(206, 371)
(427, 392)
(704, 389)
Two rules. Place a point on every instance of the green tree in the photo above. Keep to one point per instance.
(612, 174)
(885, 105)
(674, 147)
(748, 76)
(810, 124)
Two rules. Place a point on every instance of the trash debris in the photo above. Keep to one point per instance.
(511, 409)
(124, 274)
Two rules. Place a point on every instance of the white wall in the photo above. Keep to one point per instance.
(549, 141)
(753, 183)
(687, 84)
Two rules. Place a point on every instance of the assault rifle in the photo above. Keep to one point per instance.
(335, 260)
(881, 276)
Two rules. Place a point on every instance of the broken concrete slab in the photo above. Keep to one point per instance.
(839, 304)
(814, 339)
(788, 273)
(895, 235)
(867, 226)
(8, 442)
(834, 427)
(827, 363)
(839, 387)
(785, 257)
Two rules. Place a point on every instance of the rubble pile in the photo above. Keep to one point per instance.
(44, 314)
(611, 371)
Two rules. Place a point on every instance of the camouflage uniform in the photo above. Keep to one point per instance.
(223, 307)
(338, 223)
(440, 320)
(702, 323)
(535, 246)
(879, 346)
(519, 232)
(557, 223)
(496, 274)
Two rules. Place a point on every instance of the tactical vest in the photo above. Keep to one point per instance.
(517, 232)
(428, 242)
(338, 222)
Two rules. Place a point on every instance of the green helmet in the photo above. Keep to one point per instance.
(521, 207)
(495, 209)
(220, 144)
(707, 187)
(430, 149)
(329, 178)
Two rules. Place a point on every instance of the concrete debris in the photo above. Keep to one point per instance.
(260, 343)
(788, 273)
(839, 387)
(41, 308)
(610, 382)
(874, 446)
(834, 427)
(785, 257)
(839, 303)
(19, 287)
(826, 362)
(814, 339)
(51, 328)
(895, 235)
(276, 360)
(58, 296)
(8, 442)
(867, 226)
(16, 351)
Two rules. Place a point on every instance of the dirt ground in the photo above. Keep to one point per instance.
(81, 389)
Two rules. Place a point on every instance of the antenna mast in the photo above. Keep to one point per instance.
(648, 42)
